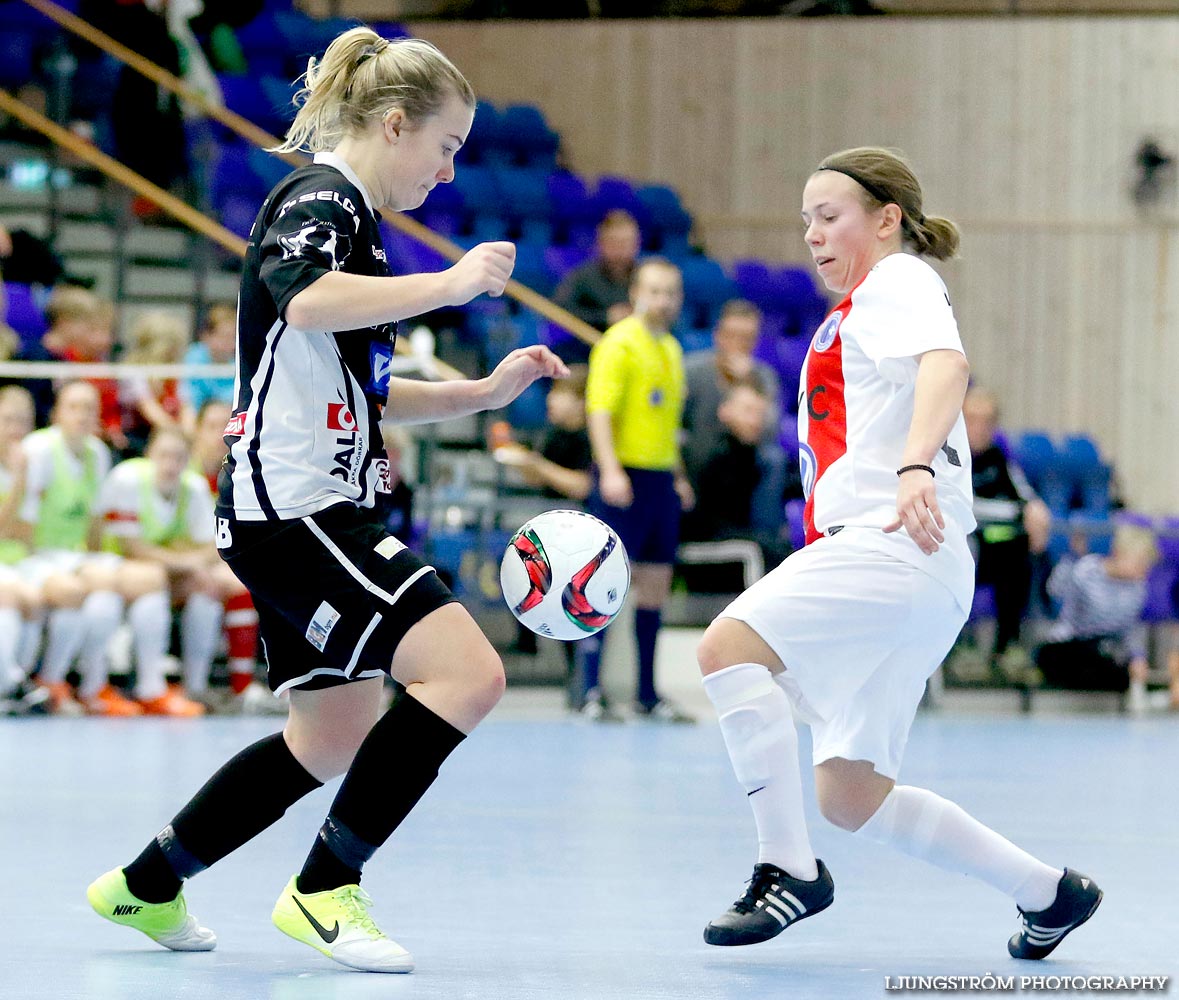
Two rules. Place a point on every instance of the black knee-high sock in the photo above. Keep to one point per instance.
(396, 763)
(248, 794)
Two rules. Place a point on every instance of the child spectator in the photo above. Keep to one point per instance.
(149, 404)
(86, 590)
(1098, 641)
(20, 600)
(81, 328)
(157, 510)
(216, 344)
(247, 695)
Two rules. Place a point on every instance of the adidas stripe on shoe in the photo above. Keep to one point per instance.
(168, 924)
(1077, 899)
(773, 901)
(337, 923)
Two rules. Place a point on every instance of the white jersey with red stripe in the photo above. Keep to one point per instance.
(855, 409)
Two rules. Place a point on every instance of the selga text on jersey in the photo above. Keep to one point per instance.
(305, 431)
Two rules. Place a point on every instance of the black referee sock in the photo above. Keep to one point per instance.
(248, 794)
(396, 763)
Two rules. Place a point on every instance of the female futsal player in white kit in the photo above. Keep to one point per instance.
(846, 631)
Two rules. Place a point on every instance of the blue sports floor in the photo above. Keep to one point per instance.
(557, 858)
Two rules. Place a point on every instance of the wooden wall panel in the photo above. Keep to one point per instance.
(1022, 129)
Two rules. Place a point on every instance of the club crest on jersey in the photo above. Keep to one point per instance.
(340, 418)
(807, 467)
(825, 336)
(317, 236)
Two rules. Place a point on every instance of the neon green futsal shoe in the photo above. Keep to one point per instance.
(337, 923)
(169, 924)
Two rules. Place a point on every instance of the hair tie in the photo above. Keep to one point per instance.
(375, 49)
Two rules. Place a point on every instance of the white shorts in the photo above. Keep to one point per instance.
(859, 632)
(58, 562)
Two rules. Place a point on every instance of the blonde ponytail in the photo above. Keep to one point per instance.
(361, 78)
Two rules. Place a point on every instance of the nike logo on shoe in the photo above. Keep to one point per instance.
(127, 909)
(323, 932)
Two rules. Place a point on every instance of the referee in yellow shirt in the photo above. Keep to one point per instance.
(634, 400)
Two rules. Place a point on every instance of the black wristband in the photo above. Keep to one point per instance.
(910, 468)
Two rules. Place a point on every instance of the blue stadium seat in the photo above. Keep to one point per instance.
(267, 167)
(1036, 456)
(668, 222)
(532, 268)
(1082, 461)
(308, 36)
(16, 56)
(756, 282)
(480, 193)
(484, 143)
(528, 136)
(246, 96)
(613, 193)
(24, 313)
(706, 289)
(562, 260)
(280, 94)
(526, 201)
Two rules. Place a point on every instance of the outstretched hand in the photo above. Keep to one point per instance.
(518, 371)
(918, 511)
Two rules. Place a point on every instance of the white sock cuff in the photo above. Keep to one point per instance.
(153, 605)
(102, 606)
(737, 685)
(912, 812)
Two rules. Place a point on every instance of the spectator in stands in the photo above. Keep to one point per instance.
(156, 509)
(1013, 529)
(147, 124)
(598, 291)
(247, 694)
(1098, 641)
(710, 375)
(20, 600)
(561, 463)
(86, 590)
(81, 328)
(215, 345)
(634, 401)
(728, 480)
(149, 404)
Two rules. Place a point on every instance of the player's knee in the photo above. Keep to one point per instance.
(844, 808)
(488, 682)
(713, 653)
(135, 579)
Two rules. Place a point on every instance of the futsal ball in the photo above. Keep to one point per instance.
(565, 574)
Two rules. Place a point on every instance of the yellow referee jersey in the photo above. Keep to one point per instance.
(638, 378)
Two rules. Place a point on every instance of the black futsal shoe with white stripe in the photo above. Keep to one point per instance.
(773, 901)
(1077, 899)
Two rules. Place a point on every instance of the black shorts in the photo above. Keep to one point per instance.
(335, 593)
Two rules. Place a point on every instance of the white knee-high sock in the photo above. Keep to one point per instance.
(758, 729)
(10, 673)
(101, 611)
(30, 642)
(200, 631)
(150, 622)
(64, 638)
(924, 825)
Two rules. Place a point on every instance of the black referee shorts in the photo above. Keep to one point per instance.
(335, 593)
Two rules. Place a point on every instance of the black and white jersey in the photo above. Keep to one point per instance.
(305, 430)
